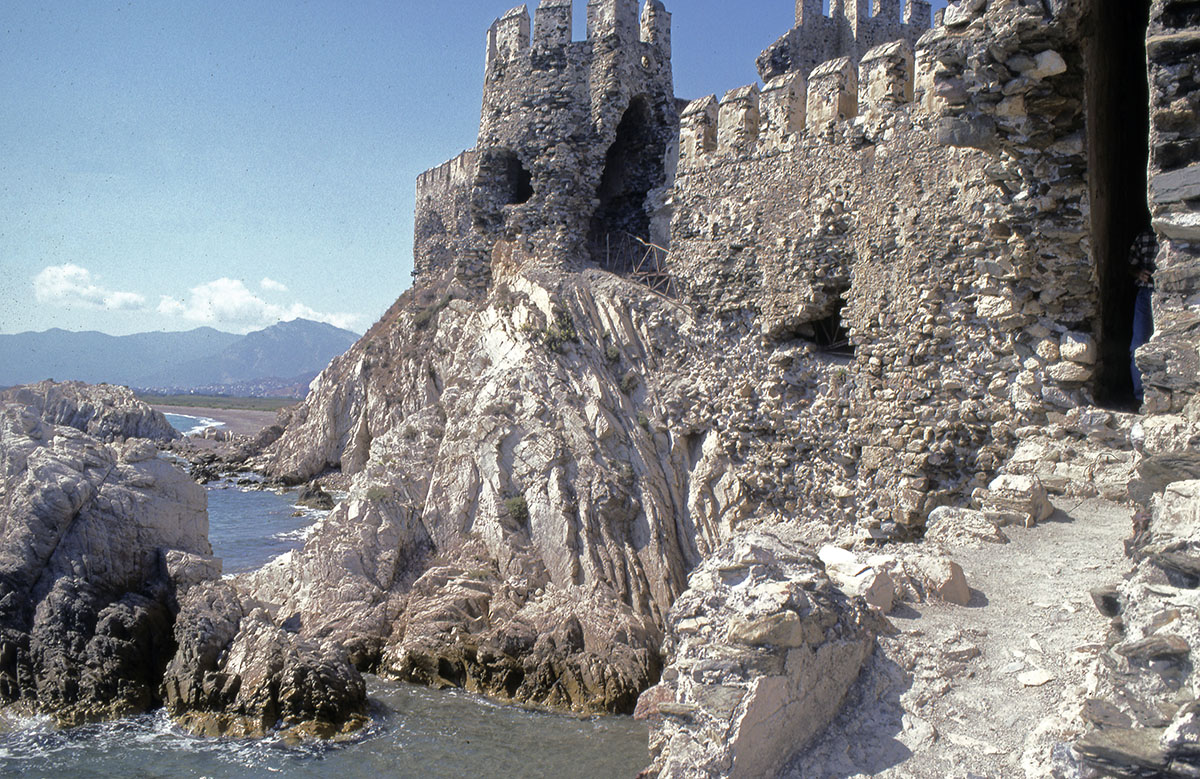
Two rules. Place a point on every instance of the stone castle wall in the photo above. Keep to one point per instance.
(1171, 361)
(443, 214)
(552, 111)
(963, 281)
(932, 200)
(851, 29)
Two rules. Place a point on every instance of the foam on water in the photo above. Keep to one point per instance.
(190, 425)
(414, 732)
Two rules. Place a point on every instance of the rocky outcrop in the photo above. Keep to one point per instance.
(763, 649)
(91, 539)
(104, 411)
(522, 475)
(523, 638)
(239, 673)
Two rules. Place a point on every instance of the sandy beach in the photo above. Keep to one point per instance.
(238, 421)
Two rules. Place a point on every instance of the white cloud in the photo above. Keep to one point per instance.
(68, 285)
(271, 285)
(229, 303)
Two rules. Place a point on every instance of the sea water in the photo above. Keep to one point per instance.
(414, 732)
(190, 425)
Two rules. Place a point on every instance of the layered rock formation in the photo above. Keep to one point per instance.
(524, 479)
(105, 411)
(763, 649)
(86, 591)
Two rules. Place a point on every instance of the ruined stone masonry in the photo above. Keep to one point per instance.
(553, 109)
(888, 279)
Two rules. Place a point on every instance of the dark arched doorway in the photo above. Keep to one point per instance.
(1118, 101)
(634, 165)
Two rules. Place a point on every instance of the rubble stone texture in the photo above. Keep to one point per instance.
(762, 649)
(837, 301)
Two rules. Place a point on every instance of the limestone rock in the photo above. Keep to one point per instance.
(522, 639)
(857, 579)
(1023, 494)
(953, 527)
(763, 649)
(91, 543)
(237, 673)
(105, 411)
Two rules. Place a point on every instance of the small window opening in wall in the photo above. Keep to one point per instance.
(519, 181)
(829, 334)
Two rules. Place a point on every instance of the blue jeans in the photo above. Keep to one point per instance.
(1143, 328)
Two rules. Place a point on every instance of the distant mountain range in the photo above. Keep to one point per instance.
(278, 361)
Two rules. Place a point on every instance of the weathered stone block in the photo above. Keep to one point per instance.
(832, 93)
(782, 108)
(885, 77)
(1177, 515)
(1019, 493)
(738, 119)
(1176, 186)
(509, 36)
(552, 24)
(698, 130)
(656, 27)
(1078, 347)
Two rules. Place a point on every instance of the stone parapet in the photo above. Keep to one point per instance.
(752, 120)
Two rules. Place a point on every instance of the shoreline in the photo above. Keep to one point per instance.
(236, 421)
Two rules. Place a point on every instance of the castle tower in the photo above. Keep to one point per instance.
(573, 142)
(612, 18)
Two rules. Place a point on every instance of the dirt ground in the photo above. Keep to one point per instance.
(992, 689)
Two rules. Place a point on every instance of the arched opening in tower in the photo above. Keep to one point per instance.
(634, 165)
(1118, 148)
(502, 180)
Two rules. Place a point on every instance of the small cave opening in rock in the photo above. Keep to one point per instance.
(1118, 130)
(635, 164)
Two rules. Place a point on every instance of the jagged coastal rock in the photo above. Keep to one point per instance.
(105, 411)
(86, 594)
(238, 673)
(657, 352)
(763, 648)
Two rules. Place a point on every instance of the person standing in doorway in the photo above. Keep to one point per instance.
(1141, 267)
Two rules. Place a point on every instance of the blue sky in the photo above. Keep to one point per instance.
(166, 165)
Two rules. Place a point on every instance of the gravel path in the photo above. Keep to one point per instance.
(969, 691)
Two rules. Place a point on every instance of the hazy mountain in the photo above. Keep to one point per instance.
(279, 359)
(97, 357)
(294, 351)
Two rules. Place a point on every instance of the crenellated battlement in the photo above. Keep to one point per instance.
(850, 29)
(552, 22)
(613, 22)
(749, 120)
(508, 37)
(456, 172)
